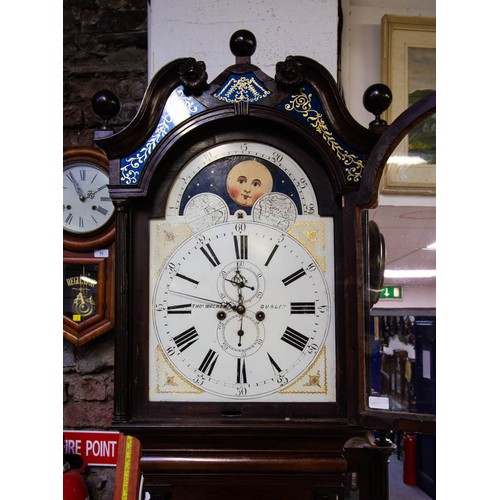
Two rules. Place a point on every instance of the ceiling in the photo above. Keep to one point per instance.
(407, 231)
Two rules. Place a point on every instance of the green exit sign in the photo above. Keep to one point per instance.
(393, 292)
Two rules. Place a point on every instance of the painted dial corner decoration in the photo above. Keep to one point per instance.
(87, 206)
(241, 282)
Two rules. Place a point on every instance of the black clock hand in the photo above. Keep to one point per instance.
(240, 331)
(91, 193)
(240, 284)
(203, 299)
(78, 189)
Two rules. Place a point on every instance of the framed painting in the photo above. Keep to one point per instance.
(409, 69)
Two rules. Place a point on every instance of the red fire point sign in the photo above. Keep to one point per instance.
(95, 447)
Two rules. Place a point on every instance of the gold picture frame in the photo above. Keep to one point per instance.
(409, 70)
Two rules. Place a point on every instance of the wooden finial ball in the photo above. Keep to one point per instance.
(106, 104)
(243, 43)
(377, 98)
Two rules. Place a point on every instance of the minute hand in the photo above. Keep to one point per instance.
(203, 299)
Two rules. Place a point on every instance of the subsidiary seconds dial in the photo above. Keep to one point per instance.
(241, 310)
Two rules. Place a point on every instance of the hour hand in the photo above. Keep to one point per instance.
(240, 284)
(91, 193)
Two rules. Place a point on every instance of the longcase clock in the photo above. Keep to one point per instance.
(239, 271)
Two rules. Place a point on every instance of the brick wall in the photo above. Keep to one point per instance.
(105, 47)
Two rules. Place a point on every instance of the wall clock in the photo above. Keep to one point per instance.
(88, 211)
(88, 241)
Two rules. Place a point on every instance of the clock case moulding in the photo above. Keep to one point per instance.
(301, 111)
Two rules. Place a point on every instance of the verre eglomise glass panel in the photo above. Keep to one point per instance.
(401, 326)
(80, 291)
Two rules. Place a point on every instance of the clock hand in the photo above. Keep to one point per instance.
(203, 299)
(77, 187)
(91, 193)
(240, 284)
(240, 331)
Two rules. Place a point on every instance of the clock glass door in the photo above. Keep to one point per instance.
(401, 325)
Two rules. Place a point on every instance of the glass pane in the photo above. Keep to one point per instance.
(402, 322)
(80, 291)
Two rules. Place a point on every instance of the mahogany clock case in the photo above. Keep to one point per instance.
(330, 146)
(162, 170)
(214, 438)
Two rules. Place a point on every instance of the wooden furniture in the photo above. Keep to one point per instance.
(208, 432)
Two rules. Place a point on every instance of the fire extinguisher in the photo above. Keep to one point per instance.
(74, 486)
(410, 459)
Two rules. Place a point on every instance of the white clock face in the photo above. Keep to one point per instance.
(241, 283)
(241, 309)
(87, 206)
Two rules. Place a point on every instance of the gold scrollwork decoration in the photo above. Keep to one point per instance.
(301, 103)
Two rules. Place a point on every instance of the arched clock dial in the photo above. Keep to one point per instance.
(241, 310)
(241, 282)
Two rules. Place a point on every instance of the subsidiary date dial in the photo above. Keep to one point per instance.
(241, 310)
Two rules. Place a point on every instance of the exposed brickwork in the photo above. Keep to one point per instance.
(105, 47)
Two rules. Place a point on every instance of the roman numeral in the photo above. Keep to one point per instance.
(241, 375)
(187, 338)
(179, 309)
(83, 174)
(210, 255)
(187, 278)
(208, 363)
(271, 255)
(241, 246)
(294, 338)
(302, 308)
(274, 364)
(69, 218)
(101, 210)
(294, 276)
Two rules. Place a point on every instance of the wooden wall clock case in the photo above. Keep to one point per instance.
(240, 282)
(88, 246)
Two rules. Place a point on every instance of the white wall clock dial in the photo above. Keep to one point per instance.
(87, 206)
